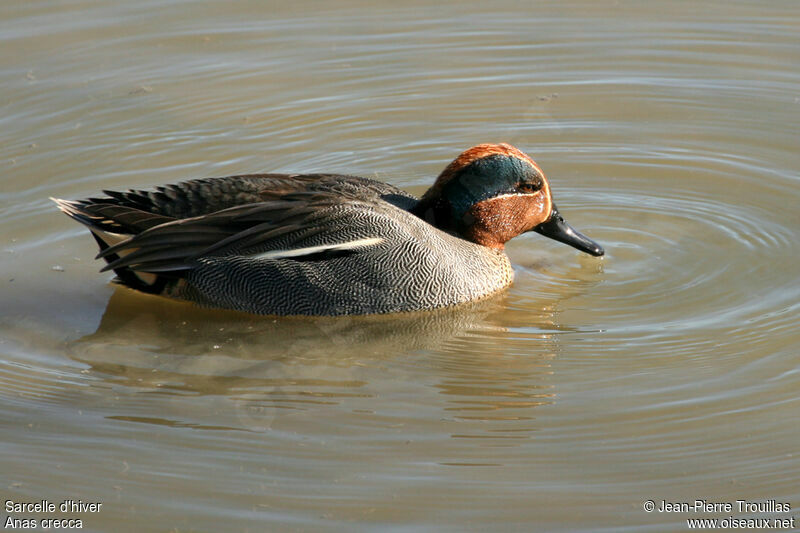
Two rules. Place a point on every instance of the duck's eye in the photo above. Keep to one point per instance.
(527, 186)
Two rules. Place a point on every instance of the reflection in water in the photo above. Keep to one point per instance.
(185, 329)
(262, 368)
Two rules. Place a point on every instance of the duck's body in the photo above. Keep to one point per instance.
(325, 244)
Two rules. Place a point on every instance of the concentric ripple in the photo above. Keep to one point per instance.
(689, 274)
(678, 249)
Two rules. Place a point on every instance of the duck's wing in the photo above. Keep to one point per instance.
(300, 225)
(147, 236)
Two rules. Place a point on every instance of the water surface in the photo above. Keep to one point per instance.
(665, 370)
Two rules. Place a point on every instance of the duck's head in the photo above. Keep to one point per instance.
(493, 192)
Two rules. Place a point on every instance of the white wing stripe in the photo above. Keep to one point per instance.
(351, 245)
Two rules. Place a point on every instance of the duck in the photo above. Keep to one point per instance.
(328, 244)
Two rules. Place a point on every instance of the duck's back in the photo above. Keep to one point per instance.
(200, 197)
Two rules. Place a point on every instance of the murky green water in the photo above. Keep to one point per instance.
(667, 370)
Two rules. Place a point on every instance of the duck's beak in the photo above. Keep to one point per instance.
(557, 228)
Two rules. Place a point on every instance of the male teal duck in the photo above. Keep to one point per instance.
(328, 244)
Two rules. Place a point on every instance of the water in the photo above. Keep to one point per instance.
(665, 371)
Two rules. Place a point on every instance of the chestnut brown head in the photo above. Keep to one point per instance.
(493, 192)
